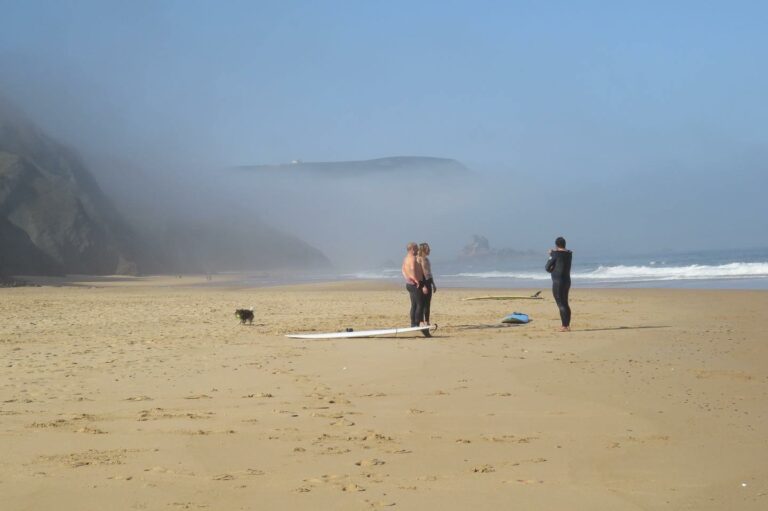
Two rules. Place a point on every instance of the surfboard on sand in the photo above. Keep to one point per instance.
(364, 333)
(516, 318)
(535, 296)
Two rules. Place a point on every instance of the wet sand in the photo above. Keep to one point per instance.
(148, 394)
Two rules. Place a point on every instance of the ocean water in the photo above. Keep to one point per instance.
(721, 269)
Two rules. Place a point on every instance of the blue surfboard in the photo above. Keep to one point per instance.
(517, 318)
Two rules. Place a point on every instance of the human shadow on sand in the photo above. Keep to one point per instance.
(482, 327)
(620, 328)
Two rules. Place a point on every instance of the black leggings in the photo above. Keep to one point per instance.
(560, 288)
(417, 303)
(427, 300)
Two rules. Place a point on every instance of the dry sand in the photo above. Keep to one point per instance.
(148, 394)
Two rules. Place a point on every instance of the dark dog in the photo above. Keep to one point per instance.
(244, 315)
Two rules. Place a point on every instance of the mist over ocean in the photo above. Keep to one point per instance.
(265, 136)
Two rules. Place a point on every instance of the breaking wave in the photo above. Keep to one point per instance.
(641, 273)
(373, 275)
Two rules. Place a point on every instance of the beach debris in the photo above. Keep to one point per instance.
(139, 398)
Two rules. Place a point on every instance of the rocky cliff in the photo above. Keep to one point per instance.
(54, 218)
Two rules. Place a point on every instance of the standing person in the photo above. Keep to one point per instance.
(429, 280)
(414, 278)
(559, 265)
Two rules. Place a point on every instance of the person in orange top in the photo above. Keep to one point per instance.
(414, 282)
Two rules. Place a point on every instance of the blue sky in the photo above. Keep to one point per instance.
(585, 94)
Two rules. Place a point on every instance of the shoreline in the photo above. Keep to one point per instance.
(257, 280)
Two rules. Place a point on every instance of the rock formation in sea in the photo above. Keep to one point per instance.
(479, 249)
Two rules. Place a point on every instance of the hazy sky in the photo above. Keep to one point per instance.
(644, 122)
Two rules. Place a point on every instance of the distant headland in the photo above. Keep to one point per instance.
(388, 165)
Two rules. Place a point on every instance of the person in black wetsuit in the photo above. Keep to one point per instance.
(559, 265)
(429, 281)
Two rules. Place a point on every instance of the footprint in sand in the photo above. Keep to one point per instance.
(161, 413)
(90, 457)
(526, 481)
(91, 431)
(335, 450)
(334, 479)
(510, 438)
(343, 423)
(51, 424)
(258, 394)
(193, 432)
(331, 415)
(372, 462)
(723, 374)
(379, 503)
(377, 437)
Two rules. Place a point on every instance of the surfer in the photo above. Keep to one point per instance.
(429, 281)
(559, 265)
(414, 282)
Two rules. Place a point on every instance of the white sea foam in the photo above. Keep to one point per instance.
(641, 273)
(502, 275)
(694, 271)
(373, 275)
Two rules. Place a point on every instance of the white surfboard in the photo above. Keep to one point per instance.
(363, 333)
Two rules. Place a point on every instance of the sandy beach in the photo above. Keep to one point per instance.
(146, 393)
